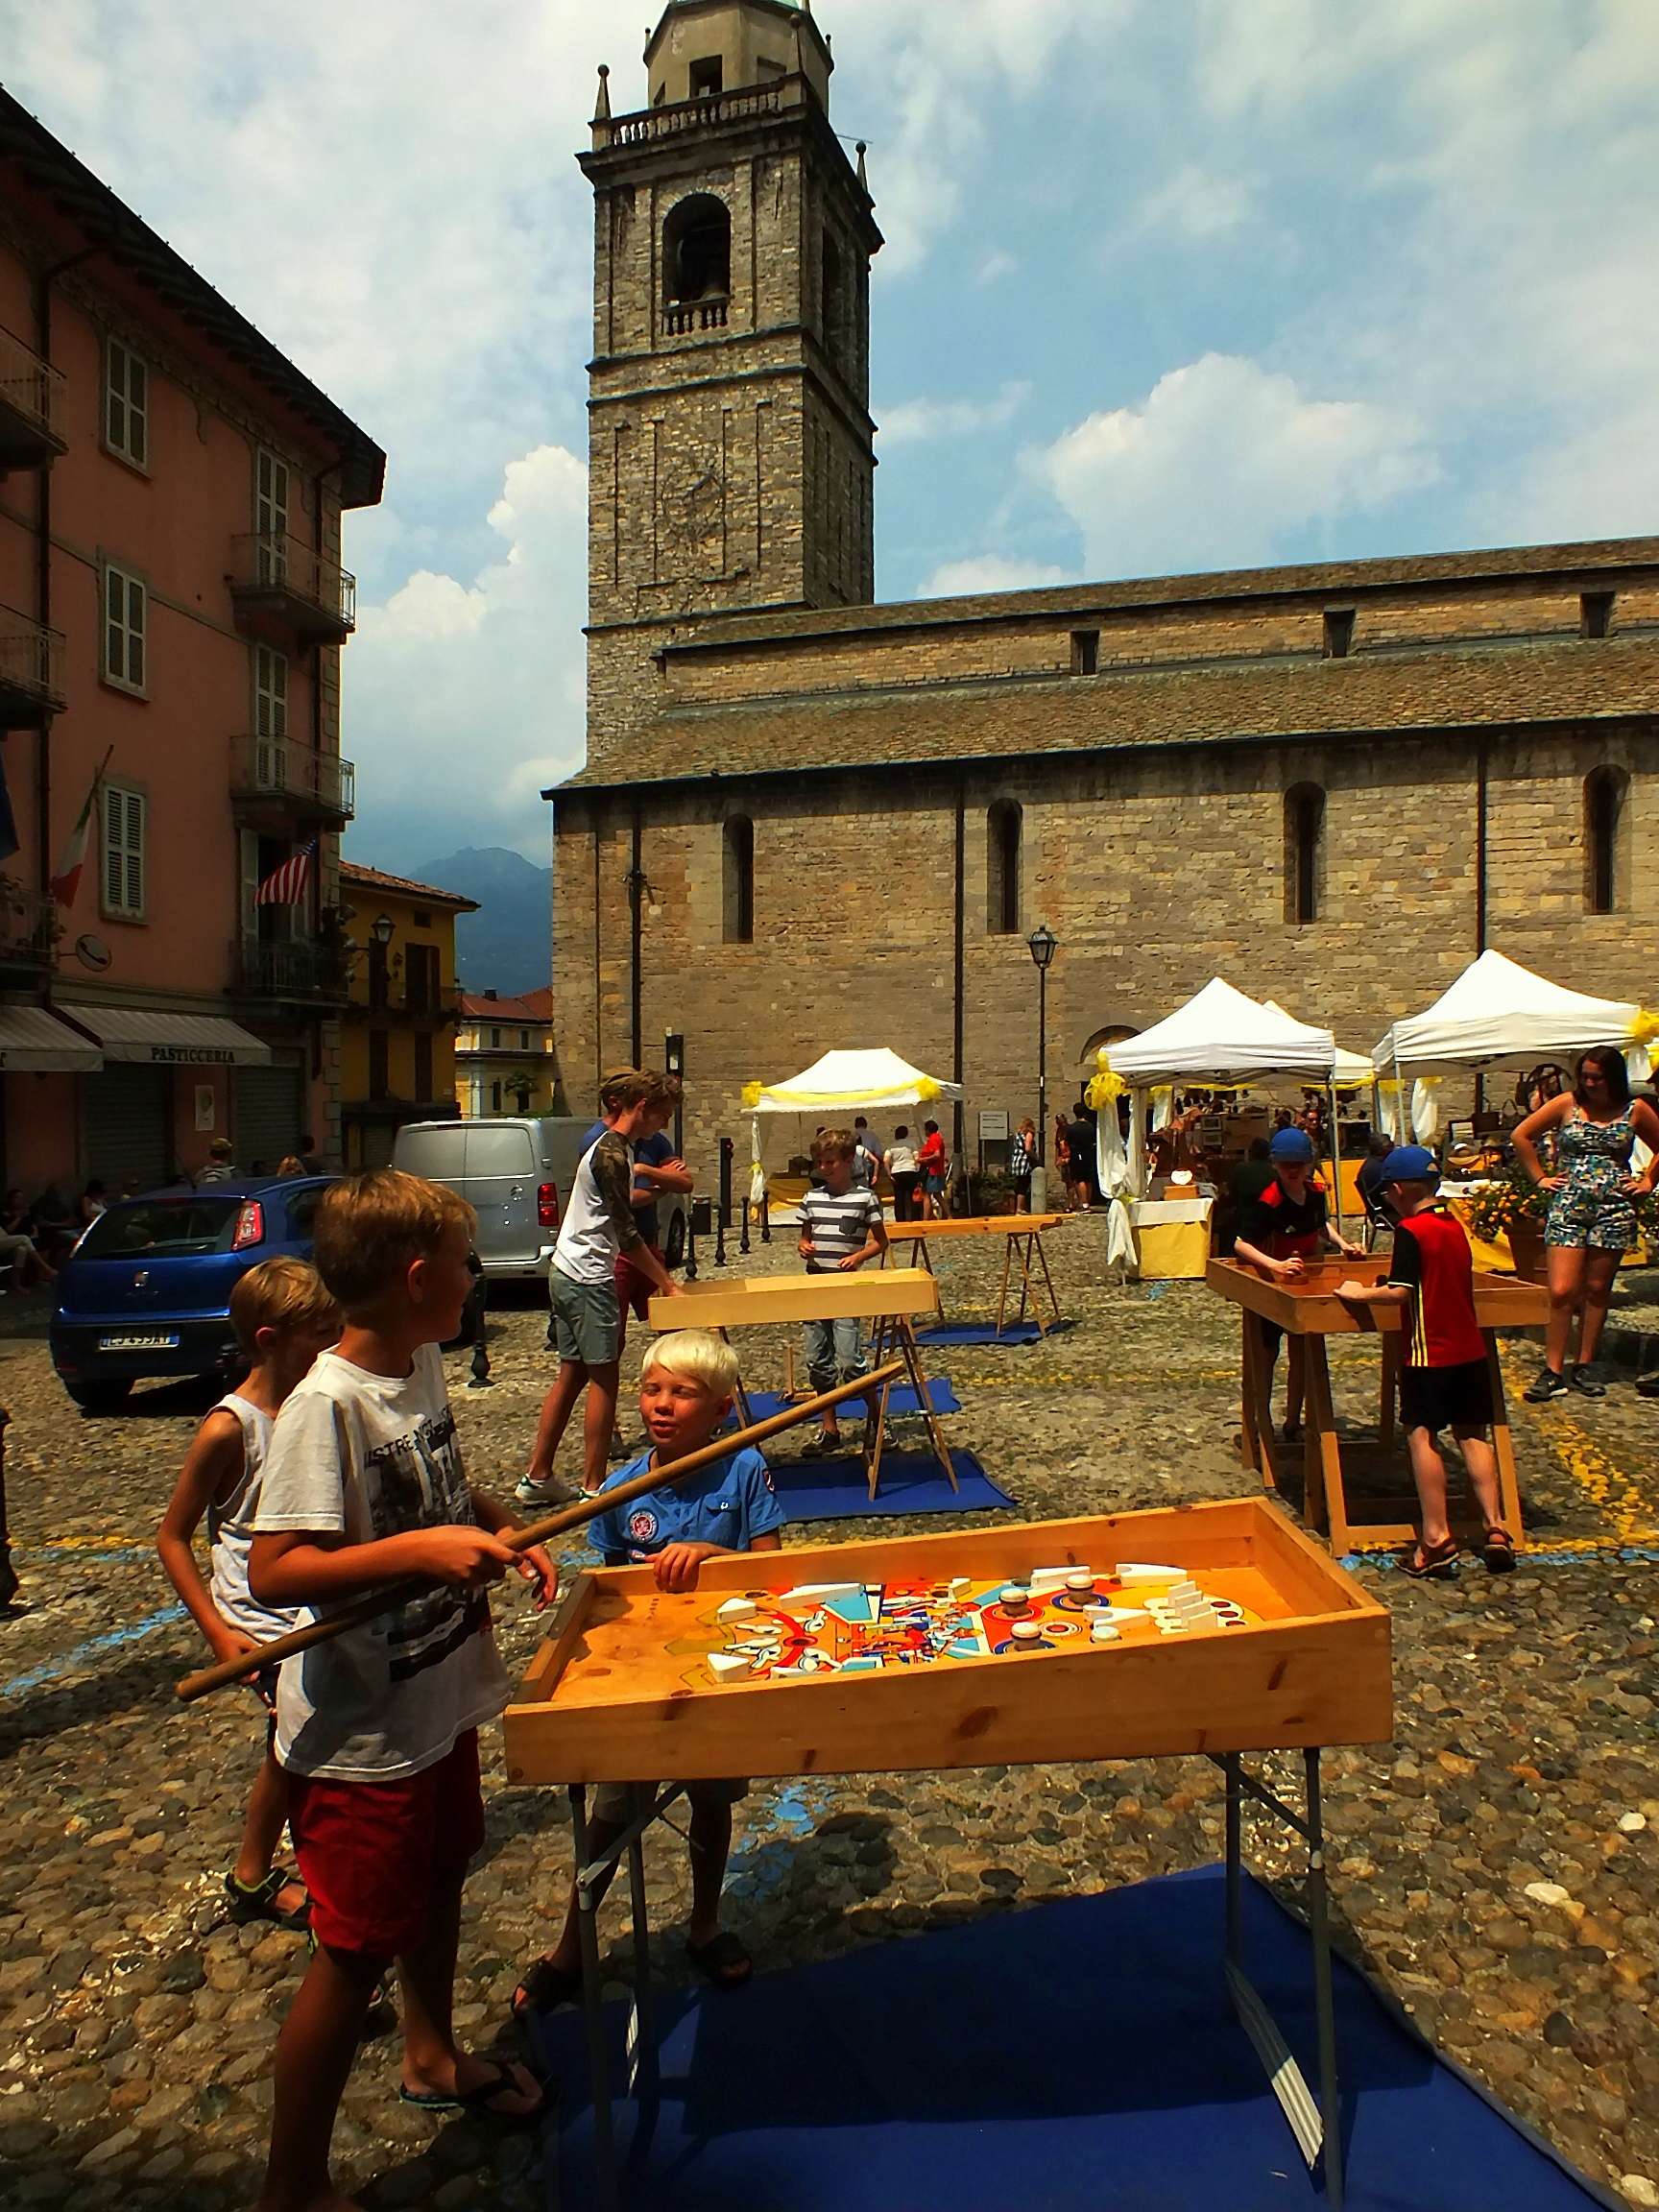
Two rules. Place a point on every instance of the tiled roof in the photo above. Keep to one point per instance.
(1376, 693)
(1587, 561)
(535, 1007)
(377, 880)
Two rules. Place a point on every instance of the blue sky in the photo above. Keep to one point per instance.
(1169, 284)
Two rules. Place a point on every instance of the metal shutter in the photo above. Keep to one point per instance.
(267, 1106)
(128, 1119)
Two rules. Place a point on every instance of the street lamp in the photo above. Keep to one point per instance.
(380, 930)
(1043, 945)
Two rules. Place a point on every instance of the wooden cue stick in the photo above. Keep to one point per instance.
(574, 1516)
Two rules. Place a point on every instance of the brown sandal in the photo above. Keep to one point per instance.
(1431, 1562)
(1498, 1551)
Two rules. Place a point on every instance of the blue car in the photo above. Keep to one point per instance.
(146, 1293)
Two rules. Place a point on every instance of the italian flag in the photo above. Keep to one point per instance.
(66, 880)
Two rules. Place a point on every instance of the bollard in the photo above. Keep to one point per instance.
(723, 1204)
(765, 1218)
(478, 1299)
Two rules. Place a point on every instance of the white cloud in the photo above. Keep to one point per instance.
(1196, 204)
(471, 694)
(914, 420)
(1219, 464)
(996, 265)
(988, 572)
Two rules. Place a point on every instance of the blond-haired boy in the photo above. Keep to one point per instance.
(377, 1729)
(686, 1391)
(283, 1317)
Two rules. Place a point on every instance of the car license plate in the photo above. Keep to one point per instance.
(141, 1341)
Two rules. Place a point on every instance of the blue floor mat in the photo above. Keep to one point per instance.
(911, 1483)
(1081, 2057)
(985, 1332)
(901, 1400)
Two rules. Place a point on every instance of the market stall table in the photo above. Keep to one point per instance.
(1023, 1235)
(634, 1683)
(1171, 1237)
(889, 1298)
(1308, 1307)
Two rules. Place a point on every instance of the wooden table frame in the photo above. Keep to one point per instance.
(1316, 1678)
(1312, 1311)
(889, 1298)
(1023, 1235)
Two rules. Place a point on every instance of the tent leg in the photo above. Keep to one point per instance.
(1337, 1158)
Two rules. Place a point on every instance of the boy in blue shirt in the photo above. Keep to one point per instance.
(686, 1386)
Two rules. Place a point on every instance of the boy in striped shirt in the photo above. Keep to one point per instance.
(841, 1228)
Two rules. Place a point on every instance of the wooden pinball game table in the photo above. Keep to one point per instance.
(1217, 1629)
(1309, 1309)
(1023, 1236)
(888, 1298)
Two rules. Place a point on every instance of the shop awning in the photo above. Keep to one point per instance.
(35, 1041)
(155, 1038)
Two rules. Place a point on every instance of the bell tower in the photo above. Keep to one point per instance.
(732, 459)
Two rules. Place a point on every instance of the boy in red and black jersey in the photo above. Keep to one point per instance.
(1445, 1382)
(1279, 1231)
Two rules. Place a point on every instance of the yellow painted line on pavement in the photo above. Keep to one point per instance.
(1614, 1494)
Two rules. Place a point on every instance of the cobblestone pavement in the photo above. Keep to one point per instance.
(1495, 1866)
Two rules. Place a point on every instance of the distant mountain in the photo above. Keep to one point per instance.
(508, 945)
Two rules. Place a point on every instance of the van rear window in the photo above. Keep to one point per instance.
(498, 1152)
(175, 1228)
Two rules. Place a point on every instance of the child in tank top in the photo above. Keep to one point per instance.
(283, 1317)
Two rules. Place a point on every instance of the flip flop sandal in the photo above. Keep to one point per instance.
(1431, 1562)
(544, 1988)
(722, 1961)
(499, 2083)
(1498, 1551)
(258, 1900)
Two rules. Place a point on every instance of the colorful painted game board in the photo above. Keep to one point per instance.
(866, 1627)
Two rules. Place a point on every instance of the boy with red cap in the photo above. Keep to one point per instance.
(1444, 1378)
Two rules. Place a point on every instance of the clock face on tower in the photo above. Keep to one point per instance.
(688, 504)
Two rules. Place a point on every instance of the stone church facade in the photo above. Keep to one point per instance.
(808, 820)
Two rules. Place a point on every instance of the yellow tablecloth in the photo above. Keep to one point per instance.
(1172, 1238)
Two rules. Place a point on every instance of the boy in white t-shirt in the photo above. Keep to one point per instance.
(378, 1729)
(283, 1317)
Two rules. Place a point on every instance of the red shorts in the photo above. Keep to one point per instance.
(372, 1852)
(634, 1291)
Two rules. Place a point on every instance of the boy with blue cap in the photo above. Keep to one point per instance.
(1445, 1382)
(1279, 1231)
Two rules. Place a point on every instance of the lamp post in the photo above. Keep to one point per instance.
(1043, 945)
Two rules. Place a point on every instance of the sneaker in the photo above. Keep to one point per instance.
(1587, 1382)
(1549, 1385)
(552, 1492)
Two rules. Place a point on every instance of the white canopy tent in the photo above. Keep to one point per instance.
(1352, 1071)
(1501, 1015)
(837, 1087)
(1219, 1036)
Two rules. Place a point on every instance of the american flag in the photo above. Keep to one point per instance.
(288, 886)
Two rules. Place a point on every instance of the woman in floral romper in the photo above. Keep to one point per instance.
(1592, 1220)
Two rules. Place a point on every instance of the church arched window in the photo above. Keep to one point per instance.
(1002, 838)
(737, 903)
(1303, 851)
(697, 251)
(1605, 790)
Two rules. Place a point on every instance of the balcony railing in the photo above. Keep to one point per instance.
(296, 971)
(31, 406)
(29, 928)
(735, 106)
(276, 777)
(277, 583)
(681, 317)
(31, 671)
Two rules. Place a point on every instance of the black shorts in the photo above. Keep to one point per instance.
(1437, 1397)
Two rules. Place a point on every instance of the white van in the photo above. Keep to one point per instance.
(515, 1174)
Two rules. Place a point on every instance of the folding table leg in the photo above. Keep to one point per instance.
(1390, 1387)
(1504, 1443)
(912, 1360)
(1325, 1493)
(1038, 1248)
(1027, 1287)
(588, 1932)
(1003, 1293)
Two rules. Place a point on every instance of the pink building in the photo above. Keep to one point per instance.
(172, 611)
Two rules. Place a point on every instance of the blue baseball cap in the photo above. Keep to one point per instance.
(1291, 1145)
(1410, 1164)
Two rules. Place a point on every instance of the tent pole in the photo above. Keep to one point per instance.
(1336, 1155)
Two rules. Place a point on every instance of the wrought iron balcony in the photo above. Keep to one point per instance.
(278, 781)
(29, 928)
(31, 407)
(31, 671)
(297, 973)
(284, 589)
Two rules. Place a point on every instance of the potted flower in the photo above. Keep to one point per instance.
(993, 1192)
(1513, 1206)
